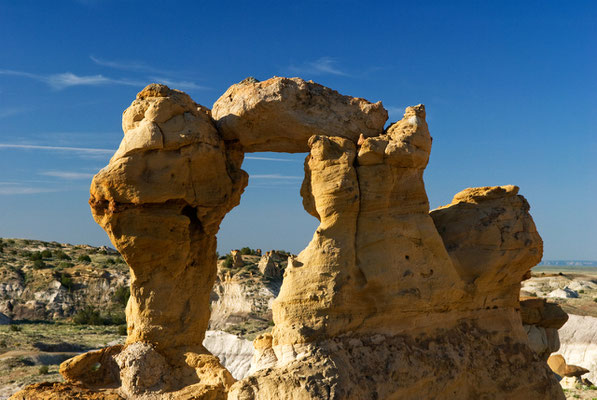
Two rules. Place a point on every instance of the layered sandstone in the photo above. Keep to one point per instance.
(388, 300)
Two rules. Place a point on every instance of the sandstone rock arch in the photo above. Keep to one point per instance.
(387, 301)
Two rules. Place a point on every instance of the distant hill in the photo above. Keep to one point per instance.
(569, 263)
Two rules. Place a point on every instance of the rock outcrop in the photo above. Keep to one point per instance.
(578, 343)
(387, 301)
(237, 259)
(268, 267)
(541, 321)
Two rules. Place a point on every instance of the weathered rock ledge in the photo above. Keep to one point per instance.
(388, 300)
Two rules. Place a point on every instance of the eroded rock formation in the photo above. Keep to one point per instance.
(388, 301)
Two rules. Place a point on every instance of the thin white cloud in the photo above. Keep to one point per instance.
(10, 111)
(275, 176)
(68, 79)
(56, 148)
(186, 85)
(321, 66)
(126, 65)
(67, 174)
(270, 159)
(19, 189)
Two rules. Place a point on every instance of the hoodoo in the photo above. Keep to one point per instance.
(388, 300)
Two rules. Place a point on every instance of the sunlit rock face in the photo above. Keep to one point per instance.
(388, 300)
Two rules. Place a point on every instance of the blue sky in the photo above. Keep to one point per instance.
(510, 89)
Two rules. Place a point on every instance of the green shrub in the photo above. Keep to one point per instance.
(247, 251)
(65, 264)
(117, 318)
(67, 281)
(122, 330)
(15, 328)
(121, 295)
(581, 291)
(39, 264)
(84, 258)
(88, 316)
(46, 254)
(228, 261)
(595, 299)
(61, 255)
(35, 256)
(110, 261)
(44, 370)
(10, 241)
(1, 248)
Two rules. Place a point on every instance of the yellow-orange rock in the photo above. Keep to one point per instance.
(387, 301)
(377, 294)
(281, 114)
(161, 200)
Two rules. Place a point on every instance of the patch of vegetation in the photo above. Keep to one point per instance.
(15, 328)
(91, 316)
(61, 255)
(228, 261)
(84, 258)
(247, 251)
(67, 281)
(39, 264)
(44, 370)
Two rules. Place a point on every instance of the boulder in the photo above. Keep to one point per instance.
(564, 293)
(558, 364)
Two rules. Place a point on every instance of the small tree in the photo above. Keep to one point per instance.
(39, 264)
(46, 254)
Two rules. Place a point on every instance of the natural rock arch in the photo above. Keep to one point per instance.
(387, 301)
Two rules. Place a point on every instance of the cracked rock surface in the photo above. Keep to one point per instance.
(388, 300)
